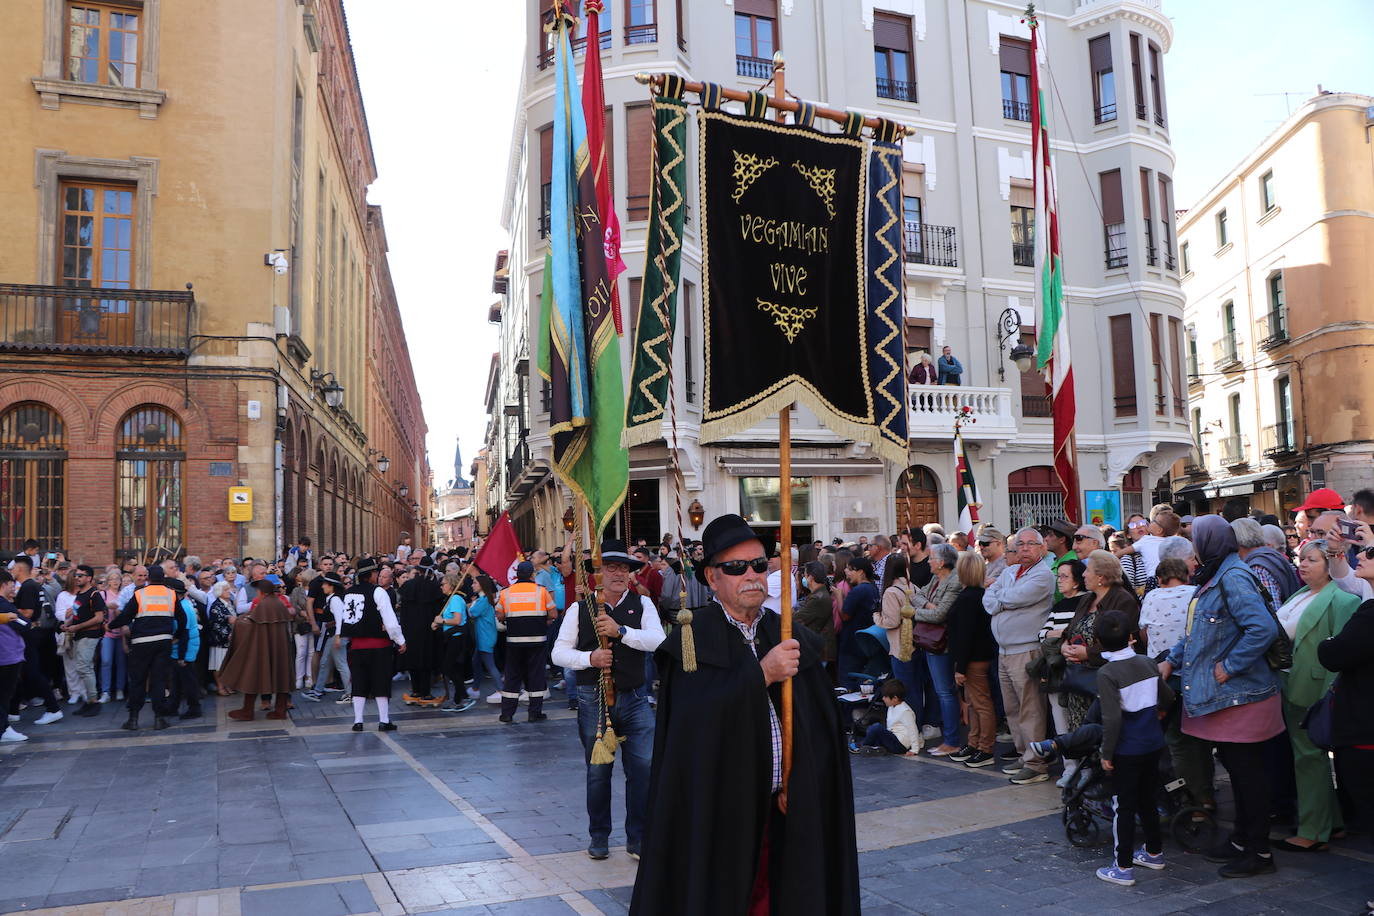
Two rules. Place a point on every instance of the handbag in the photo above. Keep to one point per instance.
(931, 637)
(1319, 721)
(1079, 678)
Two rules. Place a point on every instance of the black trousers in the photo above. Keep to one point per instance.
(1355, 773)
(1250, 785)
(150, 668)
(1134, 781)
(9, 687)
(36, 682)
(186, 687)
(525, 666)
(419, 659)
(456, 662)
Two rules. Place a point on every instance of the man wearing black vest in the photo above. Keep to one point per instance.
(630, 624)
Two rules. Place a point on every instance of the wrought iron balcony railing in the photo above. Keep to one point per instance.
(641, 34)
(1115, 235)
(1233, 450)
(65, 319)
(936, 246)
(1225, 353)
(1278, 440)
(901, 90)
(1273, 329)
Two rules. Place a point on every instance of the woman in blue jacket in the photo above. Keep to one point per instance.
(1230, 695)
(482, 619)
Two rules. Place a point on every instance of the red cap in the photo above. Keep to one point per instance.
(1324, 498)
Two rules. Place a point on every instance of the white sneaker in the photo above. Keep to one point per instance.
(14, 718)
(474, 694)
(74, 699)
(119, 694)
(12, 735)
(495, 698)
(48, 718)
(524, 697)
(930, 731)
(104, 697)
(346, 698)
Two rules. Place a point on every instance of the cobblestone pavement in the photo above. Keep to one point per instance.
(457, 814)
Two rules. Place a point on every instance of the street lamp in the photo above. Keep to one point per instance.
(329, 386)
(1009, 328)
(383, 462)
(404, 491)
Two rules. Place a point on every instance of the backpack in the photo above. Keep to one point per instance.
(1279, 655)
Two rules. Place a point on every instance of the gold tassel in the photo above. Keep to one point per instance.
(689, 646)
(603, 751)
(904, 645)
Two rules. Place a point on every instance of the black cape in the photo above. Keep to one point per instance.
(710, 786)
(421, 602)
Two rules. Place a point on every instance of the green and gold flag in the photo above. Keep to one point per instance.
(652, 352)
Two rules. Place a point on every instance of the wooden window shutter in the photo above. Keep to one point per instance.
(918, 331)
(891, 32)
(1022, 195)
(633, 288)
(1123, 366)
(639, 142)
(545, 155)
(1100, 53)
(1157, 358)
(913, 183)
(1015, 55)
(766, 8)
(1145, 192)
(1176, 363)
(1113, 210)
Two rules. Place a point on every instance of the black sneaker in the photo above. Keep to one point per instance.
(538, 717)
(979, 759)
(89, 709)
(510, 720)
(964, 753)
(130, 724)
(1223, 852)
(1249, 865)
(191, 714)
(386, 726)
(599, 851)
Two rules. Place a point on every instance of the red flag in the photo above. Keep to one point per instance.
(498, 551)
(593, 111)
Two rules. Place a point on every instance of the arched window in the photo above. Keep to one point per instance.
(149, 452)
(33, 471)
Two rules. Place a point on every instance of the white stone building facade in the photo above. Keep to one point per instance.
(957, 73)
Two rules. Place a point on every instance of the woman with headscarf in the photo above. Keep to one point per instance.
(261, 652)
(1230, 695)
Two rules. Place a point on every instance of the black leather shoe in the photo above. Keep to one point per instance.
(357, 726)
(1249, 865)
(130, 724)
(507, 719)
(89, 709)
(160, 723)
(386, 726)
(191, 714)
(538, 717)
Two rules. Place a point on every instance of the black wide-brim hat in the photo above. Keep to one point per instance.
(365, 566)
(332, 578)
(723, 533)
(613, 551)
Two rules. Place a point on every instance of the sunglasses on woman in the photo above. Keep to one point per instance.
(738, 567)
(1366, 552)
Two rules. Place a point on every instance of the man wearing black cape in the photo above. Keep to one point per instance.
(718, 842)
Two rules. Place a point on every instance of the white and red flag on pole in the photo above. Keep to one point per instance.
(593, 111)
(1052, 344)
(968, 489)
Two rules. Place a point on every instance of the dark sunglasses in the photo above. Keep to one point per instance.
(1368, 552)
(1083, 537)
(1294, 537)
(738, 567)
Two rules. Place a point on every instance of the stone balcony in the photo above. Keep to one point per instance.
(934, 408)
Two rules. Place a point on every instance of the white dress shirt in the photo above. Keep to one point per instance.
(645, 639)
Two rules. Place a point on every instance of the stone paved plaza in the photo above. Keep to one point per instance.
(457, 814)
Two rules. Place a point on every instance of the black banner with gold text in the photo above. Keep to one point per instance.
(782, 221)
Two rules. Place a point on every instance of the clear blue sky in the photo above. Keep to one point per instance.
(441, 123)
(1228, 55)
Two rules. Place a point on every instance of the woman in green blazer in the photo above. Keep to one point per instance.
(1315, 612)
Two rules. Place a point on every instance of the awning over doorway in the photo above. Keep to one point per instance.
(1240, 485)
(767, 466)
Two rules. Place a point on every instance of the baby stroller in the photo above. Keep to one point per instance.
(875, 710)
(1087, 799)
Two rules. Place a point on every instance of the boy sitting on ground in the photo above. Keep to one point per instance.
(900, 735)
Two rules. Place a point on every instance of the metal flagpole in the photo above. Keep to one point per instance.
(784, 507)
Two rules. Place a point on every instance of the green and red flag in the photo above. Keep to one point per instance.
(593, 108)
(1052, 331)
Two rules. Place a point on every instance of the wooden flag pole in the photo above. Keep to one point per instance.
(785, 509)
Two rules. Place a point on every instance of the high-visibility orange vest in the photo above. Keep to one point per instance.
(156, 601)
(526, 607)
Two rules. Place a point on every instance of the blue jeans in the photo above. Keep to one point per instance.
(633, 721)
(112, 661)
(484, 663)
(942, 677)
(878, 736)
(334, 657)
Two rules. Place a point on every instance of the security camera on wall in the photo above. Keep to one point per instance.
(277, 261)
